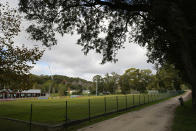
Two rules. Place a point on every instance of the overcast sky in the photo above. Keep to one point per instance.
(66, 58)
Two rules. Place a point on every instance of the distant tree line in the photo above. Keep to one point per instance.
(166, 78)
(131, 81)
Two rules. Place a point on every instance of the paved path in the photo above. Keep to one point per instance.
(157, 117)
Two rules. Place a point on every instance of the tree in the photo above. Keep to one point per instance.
(111, 82)
(145, 77)
(14, 67)
(62, 90)
(169, 77)
(166, 27)
(135, 79)
(98, 81)
(115, 79)
(154, 84)
(124, 84)
(166, 78)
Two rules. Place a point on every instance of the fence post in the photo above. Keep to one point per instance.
(133, 100)
(151, 99)
(89, 110)
(156, 96)
(105, 104)
(66, 117)
(139, 99)
(160, 97)
(117, 103)
(126, 101)
(30, 118)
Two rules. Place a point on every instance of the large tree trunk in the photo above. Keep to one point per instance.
(183, 29)
(188, 46)
(190, 70)
(194, 97)
(192, 81)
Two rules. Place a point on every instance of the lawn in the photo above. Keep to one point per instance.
(185, 118)
(53, 111)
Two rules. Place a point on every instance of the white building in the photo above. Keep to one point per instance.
(32, 91)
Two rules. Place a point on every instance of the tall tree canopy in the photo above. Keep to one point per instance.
(14, 67)
(166, 27)
(135, 79)
(166, 78)
(99, 82)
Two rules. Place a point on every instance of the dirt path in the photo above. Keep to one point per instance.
(157, 117)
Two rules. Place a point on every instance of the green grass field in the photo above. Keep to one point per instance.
(53, 111)
(185, 118)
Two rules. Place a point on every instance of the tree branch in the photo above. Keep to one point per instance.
(125, 6)
(121, 6)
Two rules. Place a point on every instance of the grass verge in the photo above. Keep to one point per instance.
(185, 118)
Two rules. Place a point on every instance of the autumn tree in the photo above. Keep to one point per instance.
(167, 28)
(14, 60)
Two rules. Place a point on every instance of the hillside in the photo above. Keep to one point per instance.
(58, 82)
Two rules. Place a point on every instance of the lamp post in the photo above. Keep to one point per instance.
(51, 79)
(96, 85)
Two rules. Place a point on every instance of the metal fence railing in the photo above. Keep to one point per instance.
(54, 113)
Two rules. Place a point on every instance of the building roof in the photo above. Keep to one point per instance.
(32, 91)
(6, 90)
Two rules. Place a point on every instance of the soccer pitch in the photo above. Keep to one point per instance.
(54, 111)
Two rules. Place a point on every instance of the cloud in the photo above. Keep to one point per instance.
(66, 58)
